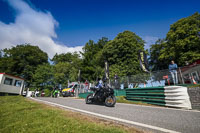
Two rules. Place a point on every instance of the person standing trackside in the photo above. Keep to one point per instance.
(116, 79)
(172, 69)
(86, 85)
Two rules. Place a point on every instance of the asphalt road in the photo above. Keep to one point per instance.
(156, 119)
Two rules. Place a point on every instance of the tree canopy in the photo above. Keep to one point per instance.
(66, 67)
(93, 60)
(44, 75)
(22, 60)
(182, 43)
(122, 54)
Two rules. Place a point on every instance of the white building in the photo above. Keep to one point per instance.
(11, 84)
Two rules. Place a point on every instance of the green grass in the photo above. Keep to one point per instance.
(18, 114)
(197, 85)
(122, 99)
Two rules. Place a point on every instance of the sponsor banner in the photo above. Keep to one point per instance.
(106, 70)
(143, 61)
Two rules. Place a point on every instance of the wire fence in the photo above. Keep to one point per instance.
(183, 75)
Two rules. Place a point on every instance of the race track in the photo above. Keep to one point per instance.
(154, 119)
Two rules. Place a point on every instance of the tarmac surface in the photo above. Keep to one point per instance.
(148, 118)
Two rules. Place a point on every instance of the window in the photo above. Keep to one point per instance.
(8, 81)
(18, 83)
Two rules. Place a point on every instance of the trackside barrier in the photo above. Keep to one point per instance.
(170, 96)
(84, 95)
(120, 92)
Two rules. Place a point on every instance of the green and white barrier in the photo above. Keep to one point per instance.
(177, 96)
(171, 96)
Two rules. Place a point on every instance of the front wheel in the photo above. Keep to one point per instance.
(110, 101)
(88, 99)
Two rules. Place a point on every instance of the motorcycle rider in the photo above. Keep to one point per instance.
(55, 92)
(99, 87)
(37, 93)
(102, 94)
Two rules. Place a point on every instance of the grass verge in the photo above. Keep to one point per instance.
(122, 99)
(18, 114)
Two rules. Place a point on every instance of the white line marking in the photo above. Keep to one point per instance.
(112, 118)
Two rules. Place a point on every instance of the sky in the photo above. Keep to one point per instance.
(60, 26)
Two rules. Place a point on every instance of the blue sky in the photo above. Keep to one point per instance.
(77, 21)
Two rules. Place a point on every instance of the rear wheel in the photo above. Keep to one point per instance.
(88, 99)
(110, 101)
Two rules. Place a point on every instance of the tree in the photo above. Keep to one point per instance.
(61, 73)
(93, 60)
(182, 41)
(65, 57)
(155, 62)
(43, 75)
(72, 62)
(22, 61)
(122, 54)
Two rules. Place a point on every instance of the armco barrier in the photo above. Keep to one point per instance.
(171, 96)
(84, 95)
(120, 92)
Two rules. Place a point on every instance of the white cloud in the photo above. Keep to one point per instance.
(149, 40)
(34, 27)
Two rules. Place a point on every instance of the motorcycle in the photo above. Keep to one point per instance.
(55, 93)
(102, 95)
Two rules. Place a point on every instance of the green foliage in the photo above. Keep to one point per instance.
(22, 61)
(66, 67)
(93, 60)
(182, 43)
(47, 92)
(61, 74)
(122, 99)
(43, 75)
(67, 57)
(122, 54)
(155, 62)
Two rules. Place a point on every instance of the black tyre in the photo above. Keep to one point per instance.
(110, 101)
(88, 99)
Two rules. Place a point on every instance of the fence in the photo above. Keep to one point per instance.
(185, 75)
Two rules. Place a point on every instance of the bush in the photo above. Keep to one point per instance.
(47, 92)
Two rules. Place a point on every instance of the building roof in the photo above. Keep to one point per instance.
(196, 63)
(12, 76)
